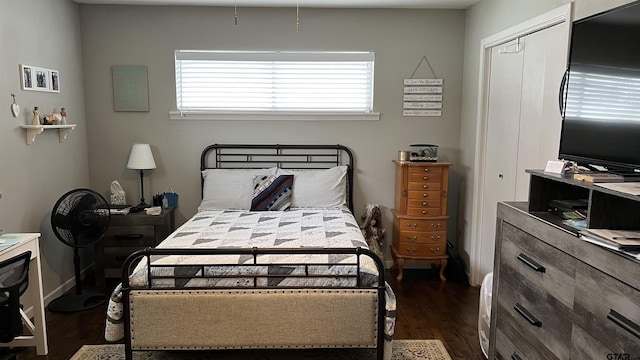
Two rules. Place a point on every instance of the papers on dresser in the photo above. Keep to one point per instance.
(632, 188)
(624, 241)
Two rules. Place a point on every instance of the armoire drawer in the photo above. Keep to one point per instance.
(608, 309)
(423, 250)
(424, 186)
(424, 195)
(422, 224)
(421, 237)
(548, 324)
(539, 266)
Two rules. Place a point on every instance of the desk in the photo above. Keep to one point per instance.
(38, 328)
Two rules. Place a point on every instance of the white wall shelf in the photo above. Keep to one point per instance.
(35, 130)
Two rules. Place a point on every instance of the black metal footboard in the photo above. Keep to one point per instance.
(255, 273)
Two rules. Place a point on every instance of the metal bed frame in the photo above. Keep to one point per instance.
(260, 156)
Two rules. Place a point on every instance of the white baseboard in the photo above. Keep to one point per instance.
(60, 290)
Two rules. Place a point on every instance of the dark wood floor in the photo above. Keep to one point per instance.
(427, 309)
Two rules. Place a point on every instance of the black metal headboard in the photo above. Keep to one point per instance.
(236, 156)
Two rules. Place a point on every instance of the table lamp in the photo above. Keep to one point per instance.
(141, 158)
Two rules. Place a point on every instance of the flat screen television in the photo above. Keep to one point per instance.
(600, 96)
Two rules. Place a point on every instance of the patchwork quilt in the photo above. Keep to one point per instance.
(298, 228)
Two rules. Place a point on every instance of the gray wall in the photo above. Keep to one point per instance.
(32, 177)
(149, 35)
(484, 19)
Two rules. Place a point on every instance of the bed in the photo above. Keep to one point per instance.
(273, 259)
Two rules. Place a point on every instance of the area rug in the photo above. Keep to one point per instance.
(402, 350)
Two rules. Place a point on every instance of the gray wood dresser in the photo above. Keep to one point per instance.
(554, 295)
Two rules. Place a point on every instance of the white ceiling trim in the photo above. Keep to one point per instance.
(401, 4)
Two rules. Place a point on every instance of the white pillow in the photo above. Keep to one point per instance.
(313, 188)
(229, 188)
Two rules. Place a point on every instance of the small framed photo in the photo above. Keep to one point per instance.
(34, 78)
(42, 82)
(55, 81)
(26, 77)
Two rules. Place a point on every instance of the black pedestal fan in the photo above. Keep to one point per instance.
(79, 219)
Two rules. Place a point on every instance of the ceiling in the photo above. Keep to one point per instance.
(400, 4)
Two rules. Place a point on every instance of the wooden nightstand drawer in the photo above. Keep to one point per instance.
(608, 309)
(416, 172)
(127, 236)
(421, 237)
(424, 211)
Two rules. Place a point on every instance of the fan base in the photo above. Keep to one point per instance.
(77, 302)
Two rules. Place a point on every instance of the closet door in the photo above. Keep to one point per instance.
(523, 128)
(502, 137)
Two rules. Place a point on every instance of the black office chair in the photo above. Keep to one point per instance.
(14, 280)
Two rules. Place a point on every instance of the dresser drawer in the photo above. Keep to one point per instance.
(421, 237)
(422, 224)
(424, 212)
(422, 250)
(537, 265)
(608, 309)
(126, 236)
(546, 324)
(512, 345)
(424, 203)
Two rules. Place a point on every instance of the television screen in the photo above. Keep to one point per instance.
(601, 112)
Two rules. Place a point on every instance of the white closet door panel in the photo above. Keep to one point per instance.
(502, 139)
(544, 63)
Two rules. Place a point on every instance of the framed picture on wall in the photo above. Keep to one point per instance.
(130, 88)
(55, 81)
(42, 82)
(26, 77)
(34, 78)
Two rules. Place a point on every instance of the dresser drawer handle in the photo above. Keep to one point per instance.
(424, 203)
(434, 238)
(527, 315)
(515, 357)
(411, 251)
(426, 169)
(128, 236)
(424, 212)
(425, 195)
(435, 250)
(624, 323)
(412, 239)
(412, 226)
(436, 226)
(531, 263)
(425, 178)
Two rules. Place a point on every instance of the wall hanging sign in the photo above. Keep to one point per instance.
(422, 97)
(34, 78)
(130, 88)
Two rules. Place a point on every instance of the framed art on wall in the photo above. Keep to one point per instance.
(35, 78)
(130, 88)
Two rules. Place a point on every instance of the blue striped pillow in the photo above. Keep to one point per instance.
(271, 192)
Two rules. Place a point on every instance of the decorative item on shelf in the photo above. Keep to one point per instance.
(424, 152)
(118, 196)
(63, 116)
(15, 108)
(36, 116)
(404, 155)
(52, 119)
(141, 158)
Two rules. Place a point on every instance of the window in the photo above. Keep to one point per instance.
(274, 83)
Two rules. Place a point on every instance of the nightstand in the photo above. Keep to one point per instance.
(126, 234)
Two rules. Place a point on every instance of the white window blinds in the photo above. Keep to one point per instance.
(274, 81)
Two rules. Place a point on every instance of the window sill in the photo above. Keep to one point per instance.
(283, 115)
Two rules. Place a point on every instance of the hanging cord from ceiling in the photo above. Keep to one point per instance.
(297, 16)
(235, 13)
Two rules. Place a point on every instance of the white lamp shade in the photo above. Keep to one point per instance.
(141, 157)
